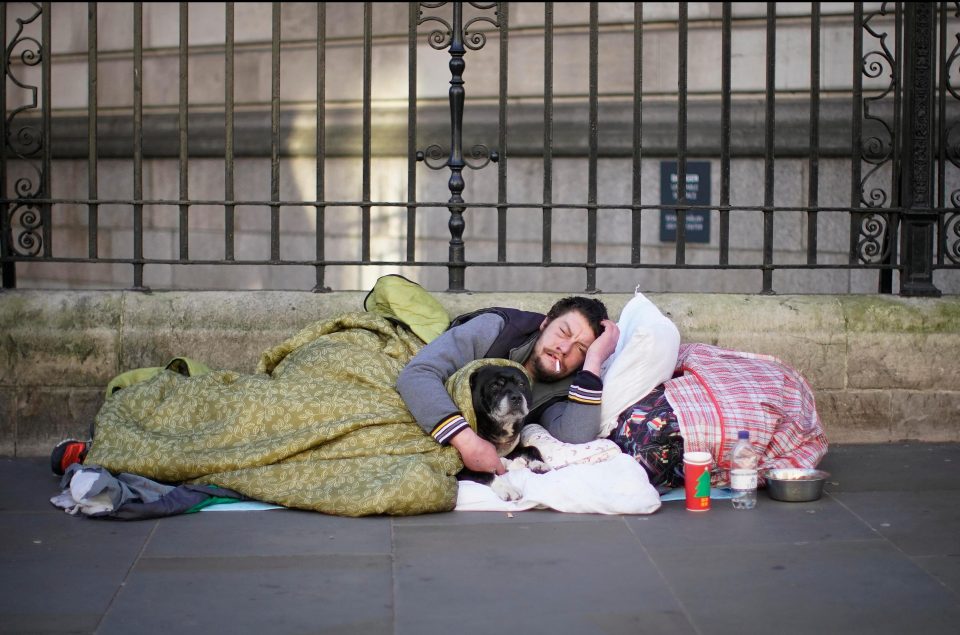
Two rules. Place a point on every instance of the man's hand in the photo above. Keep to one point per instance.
(602, 347)
(477, 454)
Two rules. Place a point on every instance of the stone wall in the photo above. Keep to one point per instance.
(882, 368)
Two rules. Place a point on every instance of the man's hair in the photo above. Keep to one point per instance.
(593, 310)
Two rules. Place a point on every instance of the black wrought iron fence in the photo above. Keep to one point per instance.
(898, 142)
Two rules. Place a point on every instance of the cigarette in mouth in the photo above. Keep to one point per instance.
(558, 364)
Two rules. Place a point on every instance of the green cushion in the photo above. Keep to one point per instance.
(401, 300)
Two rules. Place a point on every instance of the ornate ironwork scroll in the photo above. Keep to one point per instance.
(875, 241)
(457, 37)
(22, 227)
(950, 239)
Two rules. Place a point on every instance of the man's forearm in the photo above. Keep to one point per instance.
(422, 381)
(576, 419)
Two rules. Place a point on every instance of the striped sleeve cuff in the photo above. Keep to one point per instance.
(586, 389)
(448, 428)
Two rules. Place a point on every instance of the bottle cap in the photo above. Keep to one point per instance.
(743, 434)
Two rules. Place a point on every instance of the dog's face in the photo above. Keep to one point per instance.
(501, 400)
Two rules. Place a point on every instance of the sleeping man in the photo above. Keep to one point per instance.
(659, 398)
(562, 350)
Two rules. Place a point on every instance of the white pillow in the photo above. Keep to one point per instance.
(646, 356)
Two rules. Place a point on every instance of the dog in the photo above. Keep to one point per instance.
(501, 398)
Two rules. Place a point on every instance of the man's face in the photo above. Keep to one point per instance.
(564, 341)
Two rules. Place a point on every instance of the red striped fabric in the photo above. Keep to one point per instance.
(719, 391)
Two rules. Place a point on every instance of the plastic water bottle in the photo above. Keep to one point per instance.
(743, 472)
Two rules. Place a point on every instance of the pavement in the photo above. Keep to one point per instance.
(878, 553)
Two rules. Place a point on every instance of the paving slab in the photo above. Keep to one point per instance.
(833, 587)
(770, 522)
(893, 467)
(523, 576)
(878, 553)
(285, 532)
(260, 594)
(61, 573)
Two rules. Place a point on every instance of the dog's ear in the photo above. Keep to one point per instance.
(475, 377)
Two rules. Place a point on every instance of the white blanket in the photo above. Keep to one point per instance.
(587, 478)
(615, 486)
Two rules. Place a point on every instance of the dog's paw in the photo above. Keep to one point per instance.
(505, 490)
(538, 467)
(514, 464)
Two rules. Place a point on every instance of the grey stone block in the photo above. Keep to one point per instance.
(926, 415)
(222, 329)
(62, 339)
(8, 421)
(46, 416)
(856, 416)
(892, 343)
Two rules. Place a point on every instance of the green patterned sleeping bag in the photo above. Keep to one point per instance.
(320, 426)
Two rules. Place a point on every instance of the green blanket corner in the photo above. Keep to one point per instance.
(319, 426)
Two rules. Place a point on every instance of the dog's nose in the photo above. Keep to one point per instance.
(516, 400)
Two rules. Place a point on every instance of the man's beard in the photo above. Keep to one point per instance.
(545, 370)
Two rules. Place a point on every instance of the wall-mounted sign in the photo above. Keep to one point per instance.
(698, 193)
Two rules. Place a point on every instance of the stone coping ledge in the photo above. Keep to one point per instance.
(883, 368)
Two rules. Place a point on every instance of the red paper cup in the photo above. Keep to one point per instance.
(696, 480)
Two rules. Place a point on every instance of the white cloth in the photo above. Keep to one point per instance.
(616, 486)
(585, 478)
(558, 454)
(85, 495)
(645, 356)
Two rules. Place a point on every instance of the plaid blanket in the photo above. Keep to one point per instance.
(716, 392)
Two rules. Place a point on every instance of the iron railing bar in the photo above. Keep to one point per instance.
(503, 18)
(344, 41)
(856, 129)
(413, 15)
(897, 72)
(367, 93)
(636, 217)
(298, 105)
(8, 277)
(259, 46)
(47, 110)
(434, 204)
(653, 266)
(320, 212)
(229, 210)
(470, 263)
(681, 232)
(547, 213)
(725, 91)
(183, 129)
(890, 242)
(456, 273)
(768, 154)
(813, 165)
(275, 133)
(93, 210)
(594, 151)
(138, 145)
(942, 130)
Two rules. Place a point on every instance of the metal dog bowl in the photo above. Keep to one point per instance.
(795, 485)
